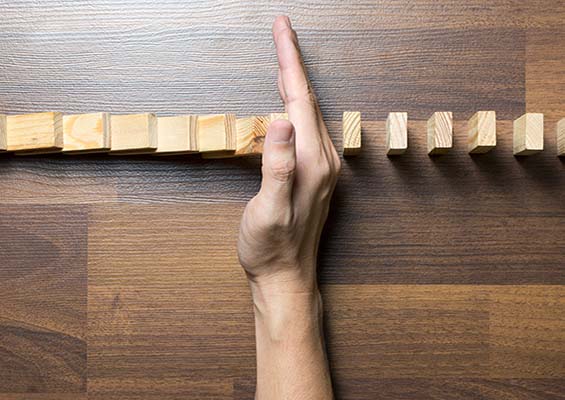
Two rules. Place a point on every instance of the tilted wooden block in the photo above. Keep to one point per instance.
(134, 133)
(275, 116)
(86, 133)
(561, 138)
(351, 133)
(528, 134)
(217, 133)
(396, 133)
(177, 135)
(35, 133)
(482, 132)
(440, 133)
(250, 137)
(3, 133)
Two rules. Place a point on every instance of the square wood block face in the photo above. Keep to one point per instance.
(134, 133)
(351, 133)
(86, 133)
(396, 133)
(482, 132)
(217, 133)
(177, 135)
(35, 133)
(440, 133)
(528, 134)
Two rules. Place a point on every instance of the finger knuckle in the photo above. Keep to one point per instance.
(283, 170)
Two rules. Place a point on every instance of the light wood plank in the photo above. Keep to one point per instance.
(134, 133)
(440, 133)
(528, 134)
(561, 138)
(37, 133)
(177, 135)
(217, 133)
(3, 133)
(482, 132)
(351, 133)
(86, 133)
(396, 133)
(251, 132)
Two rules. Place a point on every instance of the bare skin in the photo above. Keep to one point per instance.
(280, 234)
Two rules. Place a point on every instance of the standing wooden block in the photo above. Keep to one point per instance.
(250, 133)
(134, 133)
(35, 133)
(3, 133)
(528, 134)
(482, 132)
(561, 138)
(217, 133)
(177, 135)
(440, 133)
(396, 133)
(86, 133)
(351, 133)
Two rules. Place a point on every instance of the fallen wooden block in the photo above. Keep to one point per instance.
(250, 138)
(38, 133)
(86, 133)
(134, 133)
(351, 133)
(396, 133)
(561, 138)
(440, 133)
(217, 133)
(482, 132)
(3, 133)
(177, 135)
(528, 134)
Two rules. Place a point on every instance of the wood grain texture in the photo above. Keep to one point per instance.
(351, 133)
(134, 133)
(442, 277)
(217, 134)
(86, 133)
(482, 132)
(35, 133)
(528, 134)
(560, 132)
(3, 133)
(396, 133)
(177, 135)
(440, 133)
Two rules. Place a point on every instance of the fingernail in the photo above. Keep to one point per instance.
(282, 135)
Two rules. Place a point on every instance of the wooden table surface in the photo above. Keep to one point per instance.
(442, 278)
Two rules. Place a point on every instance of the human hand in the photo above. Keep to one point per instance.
(281, 226)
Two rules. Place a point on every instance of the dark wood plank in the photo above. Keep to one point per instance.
(43, 296)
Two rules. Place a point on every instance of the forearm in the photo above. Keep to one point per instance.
(291, 358)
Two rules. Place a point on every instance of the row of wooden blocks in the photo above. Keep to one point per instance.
(224, 135)
(528, 133)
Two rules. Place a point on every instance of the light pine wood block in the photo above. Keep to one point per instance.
(396, 133)
(440, 133)
(134, 133)
(250, 133)
(177, 135)
(35, 133)
(561, 138)
(217, 133)
(86, 133)
(351, 133)
(482, 132)
(528, 134)
(275, 116)
(3, 133)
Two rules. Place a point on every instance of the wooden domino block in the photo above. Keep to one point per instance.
(217, 133)
(482, 132)
(250, 137)
(561, 138)
(440, 133)
(275, 116)
(177, 135)
(38, 133)
(3, 133)
(134, 133)
(528, 134)
(351, 133)
(86, 133)
(396, 133)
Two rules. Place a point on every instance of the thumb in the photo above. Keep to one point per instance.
(279, 163)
